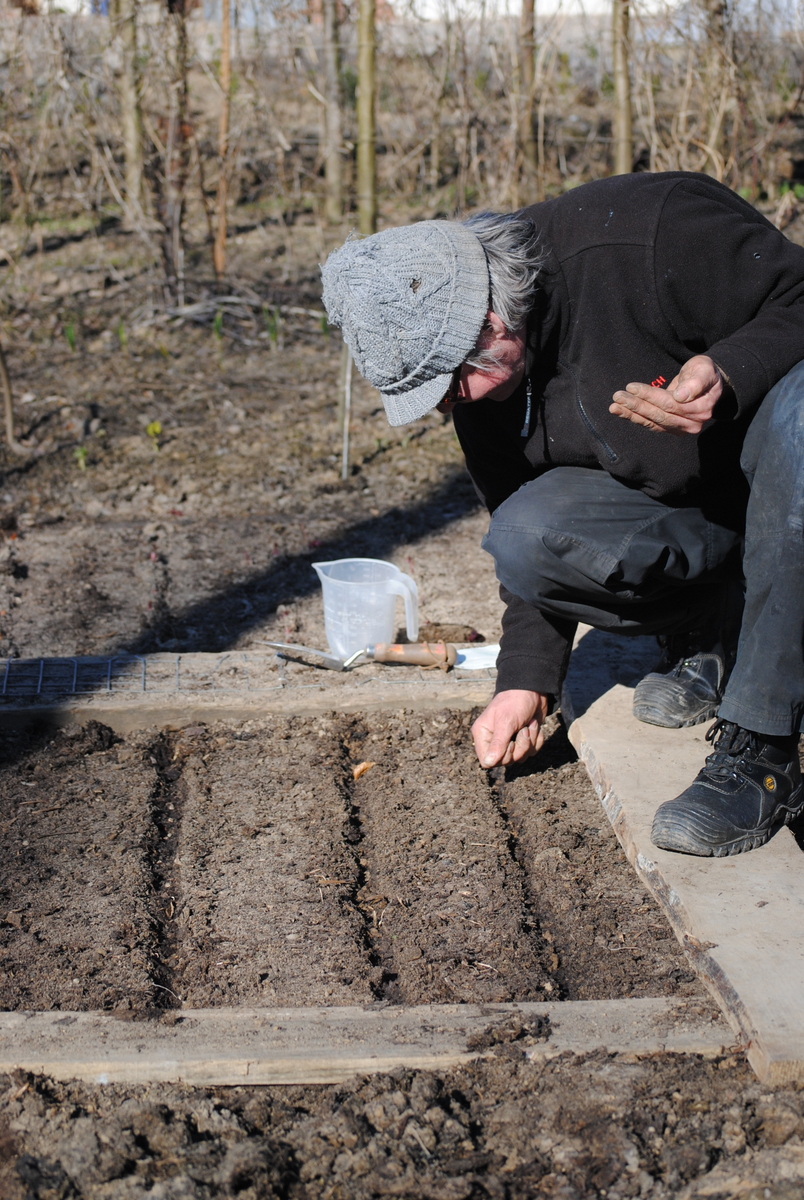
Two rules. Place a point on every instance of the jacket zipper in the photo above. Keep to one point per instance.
(525, 431)
(612, 456)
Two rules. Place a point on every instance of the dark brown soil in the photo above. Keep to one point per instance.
(78, 832)
(266, 870)
(588, 909)
(449, 917)
(503, 1128)
(247, 866)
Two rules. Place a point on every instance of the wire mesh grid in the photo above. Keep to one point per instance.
(70, 676)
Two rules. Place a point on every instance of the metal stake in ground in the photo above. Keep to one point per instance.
(347, 410)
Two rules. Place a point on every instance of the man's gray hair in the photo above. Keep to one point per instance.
(515, 258)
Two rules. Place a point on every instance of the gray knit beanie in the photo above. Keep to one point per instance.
(411, 303)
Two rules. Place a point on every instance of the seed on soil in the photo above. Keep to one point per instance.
(361, 769)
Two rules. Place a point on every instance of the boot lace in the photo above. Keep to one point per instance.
(677, 649)
(730, 744)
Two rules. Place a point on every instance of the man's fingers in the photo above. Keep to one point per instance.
(691, 384)
(521, 745)
(657, 419)
(697, 378)
(518, 748)
(642, 391)
(492, 745)
(691, 387)
(639, 398)
(488, 748)
(527, 742)
(506, 745)
(683, 407)
(499, 751)
(652, 402)
(482, 738)
(509, 727)
(658, 410)
(633, 413)
(686, 391)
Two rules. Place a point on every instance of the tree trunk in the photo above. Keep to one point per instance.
(717, 83)
(219, 249)
(176, 161)
(366, 126)
(623, 132)
(333, 136)
(125, 16)
(527, 74)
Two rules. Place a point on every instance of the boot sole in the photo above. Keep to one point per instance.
(675, 703)
(751, 841)
(652, 716)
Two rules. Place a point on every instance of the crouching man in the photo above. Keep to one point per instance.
(622, 366)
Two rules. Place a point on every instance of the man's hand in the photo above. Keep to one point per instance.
(683, 407)
(510, 729)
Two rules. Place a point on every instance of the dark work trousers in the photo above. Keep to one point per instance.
(578, 544)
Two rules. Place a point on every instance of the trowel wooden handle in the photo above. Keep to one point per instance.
(416, 654)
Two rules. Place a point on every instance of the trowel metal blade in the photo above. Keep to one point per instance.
(326, 660)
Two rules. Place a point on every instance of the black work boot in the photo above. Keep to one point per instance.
(688, 692)
(687, 685)
(749, 787)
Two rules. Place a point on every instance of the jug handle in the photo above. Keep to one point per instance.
(406, 588)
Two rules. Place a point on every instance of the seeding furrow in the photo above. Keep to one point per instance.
(267, 870)
(444, 899)
(312, 861)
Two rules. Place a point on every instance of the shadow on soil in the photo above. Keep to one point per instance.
(215, 623)
(218, 621)
(557, 751)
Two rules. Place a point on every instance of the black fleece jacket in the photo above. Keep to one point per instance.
(641, 273)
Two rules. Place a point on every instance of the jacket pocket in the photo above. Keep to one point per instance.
(611, 455)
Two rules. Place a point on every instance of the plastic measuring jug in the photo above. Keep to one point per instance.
(360, 600)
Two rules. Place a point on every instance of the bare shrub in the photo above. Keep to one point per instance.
(461, 121)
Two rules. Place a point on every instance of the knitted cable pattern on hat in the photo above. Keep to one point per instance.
(411, 302)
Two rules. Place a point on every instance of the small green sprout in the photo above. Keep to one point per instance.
(69, 333)
(122, 336)
(80, 456)
(324, 325)
(153, 430)
(270, 317)
(217, 325)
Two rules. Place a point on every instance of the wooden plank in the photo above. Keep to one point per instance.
(226, 1046)
(740, 918)
(127, 715)
(176, 690)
